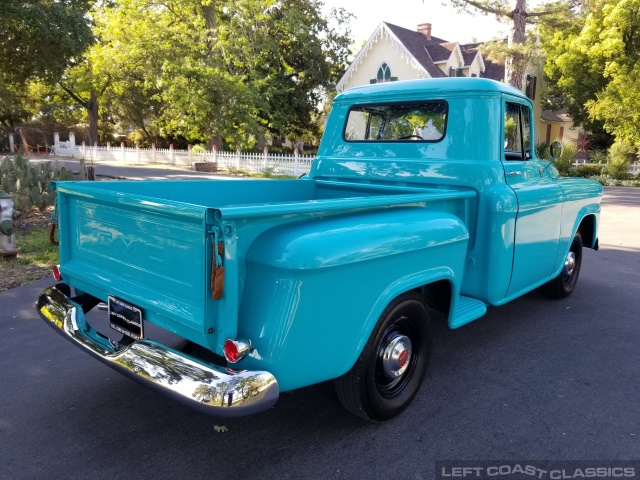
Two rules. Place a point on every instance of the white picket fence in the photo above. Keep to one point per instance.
(278, 164)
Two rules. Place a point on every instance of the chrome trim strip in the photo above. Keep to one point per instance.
(206, 387)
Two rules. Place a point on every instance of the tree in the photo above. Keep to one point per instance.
(216, 70)
(594, 66)
(518, 50)
(40, 39)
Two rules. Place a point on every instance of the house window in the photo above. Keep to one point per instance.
(561, 132)
(456, 72)
(531, 87)
(397, 122)
(474, 75)
(517, 132)
(384, 75)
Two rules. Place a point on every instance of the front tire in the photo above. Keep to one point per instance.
(563, 285)
(393, 363)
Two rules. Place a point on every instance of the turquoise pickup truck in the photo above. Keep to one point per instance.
(425, 195)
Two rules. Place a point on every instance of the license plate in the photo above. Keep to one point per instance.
(125, 318)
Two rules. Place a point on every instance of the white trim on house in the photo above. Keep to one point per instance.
(379, 32)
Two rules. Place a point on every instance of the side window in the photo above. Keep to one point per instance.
(517, 132)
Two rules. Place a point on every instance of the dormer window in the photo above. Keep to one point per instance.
(384, 75)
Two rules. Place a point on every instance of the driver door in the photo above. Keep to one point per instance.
(540, 200)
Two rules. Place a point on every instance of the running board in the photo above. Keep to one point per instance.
(466, 310)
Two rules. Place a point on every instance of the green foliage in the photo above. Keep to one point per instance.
(620, 156)
(611, 182)
(542, 152)
(29, 184)
(593, 67)
(39, 40)
(598, 156)
(216, 71)
(41, 37)
(588, 170)
(564, 162)
(36, 249)
(199, 148)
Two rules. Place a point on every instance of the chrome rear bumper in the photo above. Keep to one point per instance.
(206, 387)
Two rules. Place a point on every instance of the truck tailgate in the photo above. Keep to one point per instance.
(149, 252)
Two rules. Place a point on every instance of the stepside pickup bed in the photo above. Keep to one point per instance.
(425, 194)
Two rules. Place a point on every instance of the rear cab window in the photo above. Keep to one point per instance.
(397, 122)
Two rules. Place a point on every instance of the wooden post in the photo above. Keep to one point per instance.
(84, 150)
(265, 152)
(122, 151)
(12, 143)
(153, 153)
(238, 153)
(296, 164)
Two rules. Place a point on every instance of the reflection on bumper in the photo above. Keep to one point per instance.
(208, 388)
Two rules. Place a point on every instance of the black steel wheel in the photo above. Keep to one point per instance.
(392, 365)
(565, 282)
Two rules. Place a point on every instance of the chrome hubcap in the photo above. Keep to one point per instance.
(570, 263)
(396, 356)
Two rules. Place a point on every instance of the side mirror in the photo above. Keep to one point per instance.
(555, 150)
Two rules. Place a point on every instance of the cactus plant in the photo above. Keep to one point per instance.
(29, 184)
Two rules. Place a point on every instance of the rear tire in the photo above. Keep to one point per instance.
(562, 286)
(393, 363)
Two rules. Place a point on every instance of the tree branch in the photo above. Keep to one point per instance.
(487, 8)
(78, 99)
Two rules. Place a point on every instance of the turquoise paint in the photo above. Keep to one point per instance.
(310, 265)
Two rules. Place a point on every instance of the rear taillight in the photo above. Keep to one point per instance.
(56, 273)
(236, 350)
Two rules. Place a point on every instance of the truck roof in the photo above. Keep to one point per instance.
(430, 85)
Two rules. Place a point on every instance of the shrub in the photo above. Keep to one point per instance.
(598, 156)
(620, 155)
(542, 152)
(612, 182)
(29, 184)
(565, 161)
(198, 147)
(588, 170)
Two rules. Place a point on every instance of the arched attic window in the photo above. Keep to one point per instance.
(384, 75)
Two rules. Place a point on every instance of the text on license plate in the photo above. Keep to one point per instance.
(125, 318)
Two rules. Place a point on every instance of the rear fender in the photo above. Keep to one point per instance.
(315, 289)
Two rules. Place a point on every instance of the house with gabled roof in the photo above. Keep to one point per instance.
(393, 53)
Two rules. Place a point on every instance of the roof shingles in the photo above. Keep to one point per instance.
(428, 52)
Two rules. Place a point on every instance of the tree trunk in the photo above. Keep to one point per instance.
(23, 138)
(215, 141)
(92, 111)
(516, 63)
